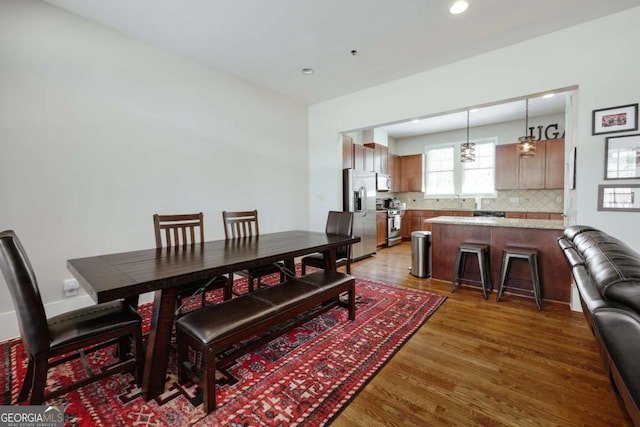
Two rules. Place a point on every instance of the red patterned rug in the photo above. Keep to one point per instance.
(305, 377)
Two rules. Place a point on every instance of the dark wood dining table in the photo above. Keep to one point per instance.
(163, 270)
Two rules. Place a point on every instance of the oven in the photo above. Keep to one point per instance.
(394, 221)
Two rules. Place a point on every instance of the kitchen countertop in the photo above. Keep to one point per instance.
(499, 222)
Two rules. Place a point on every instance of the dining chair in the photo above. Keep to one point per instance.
(244, 224)
(175, 231)
(340, 223)
(68, 336)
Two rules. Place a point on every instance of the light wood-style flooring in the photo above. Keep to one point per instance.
(476, 362)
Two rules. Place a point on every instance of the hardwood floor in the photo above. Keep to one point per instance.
(476, 362)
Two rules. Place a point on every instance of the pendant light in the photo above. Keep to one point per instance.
(467, 149)
(527, 143)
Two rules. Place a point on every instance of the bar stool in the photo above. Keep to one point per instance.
(481, 252)
(529, 255)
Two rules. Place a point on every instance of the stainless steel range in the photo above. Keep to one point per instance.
(394, 221)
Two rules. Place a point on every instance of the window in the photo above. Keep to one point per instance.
(446, 175)
(440, 171)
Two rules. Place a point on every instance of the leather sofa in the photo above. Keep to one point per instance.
(607, 274)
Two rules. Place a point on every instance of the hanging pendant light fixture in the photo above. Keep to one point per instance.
(467, 149)
(527, 143)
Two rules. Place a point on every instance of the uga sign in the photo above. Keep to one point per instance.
(546, 132)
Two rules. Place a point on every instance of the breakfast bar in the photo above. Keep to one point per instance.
(449, 231)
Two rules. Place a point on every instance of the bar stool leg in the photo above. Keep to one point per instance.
(456, 271)
(504, 270)
(482, 265)
(535, 279)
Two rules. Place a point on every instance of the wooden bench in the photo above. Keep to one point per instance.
(215, 328)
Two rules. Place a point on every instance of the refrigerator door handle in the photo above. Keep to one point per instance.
(363, 191)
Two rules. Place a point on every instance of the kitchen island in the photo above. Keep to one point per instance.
(447, 232)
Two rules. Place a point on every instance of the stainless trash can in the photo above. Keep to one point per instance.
(421, 254)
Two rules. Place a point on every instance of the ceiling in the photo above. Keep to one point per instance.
(485, 115)
(267, 43)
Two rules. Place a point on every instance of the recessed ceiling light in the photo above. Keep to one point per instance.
(548, 95)
(458, 7)
(307, 71)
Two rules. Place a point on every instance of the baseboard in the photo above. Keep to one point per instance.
(9, 321)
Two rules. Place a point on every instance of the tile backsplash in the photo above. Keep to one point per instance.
(509, 201)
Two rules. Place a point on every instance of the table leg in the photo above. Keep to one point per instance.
(290, 264)
(157, 358)
(330, 259)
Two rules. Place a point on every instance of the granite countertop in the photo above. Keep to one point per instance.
(499, 222)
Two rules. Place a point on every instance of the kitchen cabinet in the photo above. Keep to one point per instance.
(515, 214)
(413, 220)
(545, 170)
(362, 158)
(394, 171)
(381, 229)
(368, 159)
(358, 157)
(554, 168)
(507, 167)
(347, 152)
(537, 215)
(380, 157)
(411, 175)
(531, 169)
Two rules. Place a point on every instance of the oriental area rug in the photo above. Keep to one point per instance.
(305, 377)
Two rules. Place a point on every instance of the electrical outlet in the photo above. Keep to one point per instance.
(70, 287)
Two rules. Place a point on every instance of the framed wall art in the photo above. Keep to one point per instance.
(621, 198)
(622, 157)
(615, 119)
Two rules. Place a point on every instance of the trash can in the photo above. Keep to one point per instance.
(421, 254)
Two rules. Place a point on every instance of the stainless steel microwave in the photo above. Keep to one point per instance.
(383, 182)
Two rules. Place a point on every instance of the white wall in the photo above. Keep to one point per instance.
(99, 131)
(597, 56)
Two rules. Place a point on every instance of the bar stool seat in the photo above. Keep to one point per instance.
(529, 255)
(481, 251)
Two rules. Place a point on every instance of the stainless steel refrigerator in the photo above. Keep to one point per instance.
(359, 197)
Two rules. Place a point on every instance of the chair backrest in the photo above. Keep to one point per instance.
(340, 223)
(240, 224)
(25, 294)
(178, 230)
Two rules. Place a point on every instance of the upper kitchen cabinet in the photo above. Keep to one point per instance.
(347, 152)
(395, 172)
(380, 157)
(362, 157)
(554, 170)
(545, 170)
(531, 172)
(411, 173)
(507, 167)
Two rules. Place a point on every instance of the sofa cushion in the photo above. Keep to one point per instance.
(619, 330)
(613, 266)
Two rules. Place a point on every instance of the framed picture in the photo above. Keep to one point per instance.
(622, 157)
(616, 119)
(621, 198)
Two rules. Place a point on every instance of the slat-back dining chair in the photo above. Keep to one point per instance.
(242, 224)
(71, 335)
(173, 231)
(340, 223)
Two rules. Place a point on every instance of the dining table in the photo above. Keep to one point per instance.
(163, 271)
